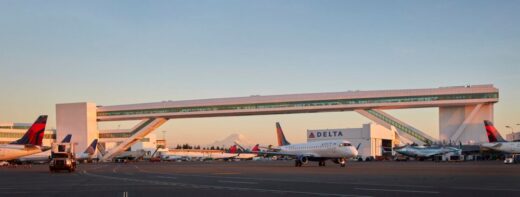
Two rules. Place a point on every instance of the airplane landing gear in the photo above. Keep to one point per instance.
(297, 163)
(342, 162)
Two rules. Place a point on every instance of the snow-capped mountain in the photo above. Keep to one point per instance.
(235, 137)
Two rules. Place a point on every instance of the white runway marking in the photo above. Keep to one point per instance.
(486, 189)
(125, 194)
(166, 177)
(297, 181)
(239, 182)
(397, 190)
(217, 187)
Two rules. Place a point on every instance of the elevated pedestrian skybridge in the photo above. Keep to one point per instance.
(461, 110)
(302, 103)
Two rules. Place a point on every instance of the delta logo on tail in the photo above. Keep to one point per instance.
(256, 148)
(233, 149)
(34, 136)
(492, 132)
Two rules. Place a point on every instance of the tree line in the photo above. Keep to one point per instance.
(198, 147)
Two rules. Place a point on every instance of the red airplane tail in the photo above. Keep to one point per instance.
(34, 136)
(233, 149)
(492, 132)
(255, 149)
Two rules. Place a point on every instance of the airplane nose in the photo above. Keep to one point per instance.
(354, 152)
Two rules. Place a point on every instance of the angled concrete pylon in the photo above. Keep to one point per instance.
(138, 132)
(405, 130)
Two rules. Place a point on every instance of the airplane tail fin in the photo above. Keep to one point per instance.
(92, 148)
(281, 137)
(101, 148)
(256, 148)
(233, 149)
(492, 132)
(239, 147)
(34, 136)
(67, 139)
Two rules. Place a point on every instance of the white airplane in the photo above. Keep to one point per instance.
(122, 157)
(223, 155)
(189, 155)
(88, 154)
(184, 156)
(30, 143)
(243, 154)
(336, 150)
(496, 142)
(425, 152)
(167, 157)
(42, 157)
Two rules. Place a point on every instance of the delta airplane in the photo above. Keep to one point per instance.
(199, 155)
(30, 143)
(42, 157)
(336, 150)
(88, 154)
(122, 157)
(223, 155)
(243, 154)
(496, 142)
(423, 152)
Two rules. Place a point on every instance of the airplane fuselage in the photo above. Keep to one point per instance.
(329, 149)
(15, 151)
(246, 156)
(424, 152)
(507, 147)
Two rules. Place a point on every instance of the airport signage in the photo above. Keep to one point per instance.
(324, 134)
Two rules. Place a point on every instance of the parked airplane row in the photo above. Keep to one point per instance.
(29, 148)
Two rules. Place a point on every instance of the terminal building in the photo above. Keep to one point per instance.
(462, 110)
(373, 138)
(10, 132)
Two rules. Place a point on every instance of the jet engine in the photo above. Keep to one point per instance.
(304, 160)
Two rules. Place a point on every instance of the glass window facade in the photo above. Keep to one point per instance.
(126, 135)
(20, 135)
(302, 104)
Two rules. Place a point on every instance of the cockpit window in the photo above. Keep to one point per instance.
(344, 144)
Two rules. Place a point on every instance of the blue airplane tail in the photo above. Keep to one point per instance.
(67, 139)
(92, 148)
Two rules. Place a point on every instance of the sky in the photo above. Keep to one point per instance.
(125, 52)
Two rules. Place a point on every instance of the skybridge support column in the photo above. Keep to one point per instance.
(464, 123)
(79, 120)
(139, 132)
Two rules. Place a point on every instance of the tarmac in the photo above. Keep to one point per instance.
(266, 178)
